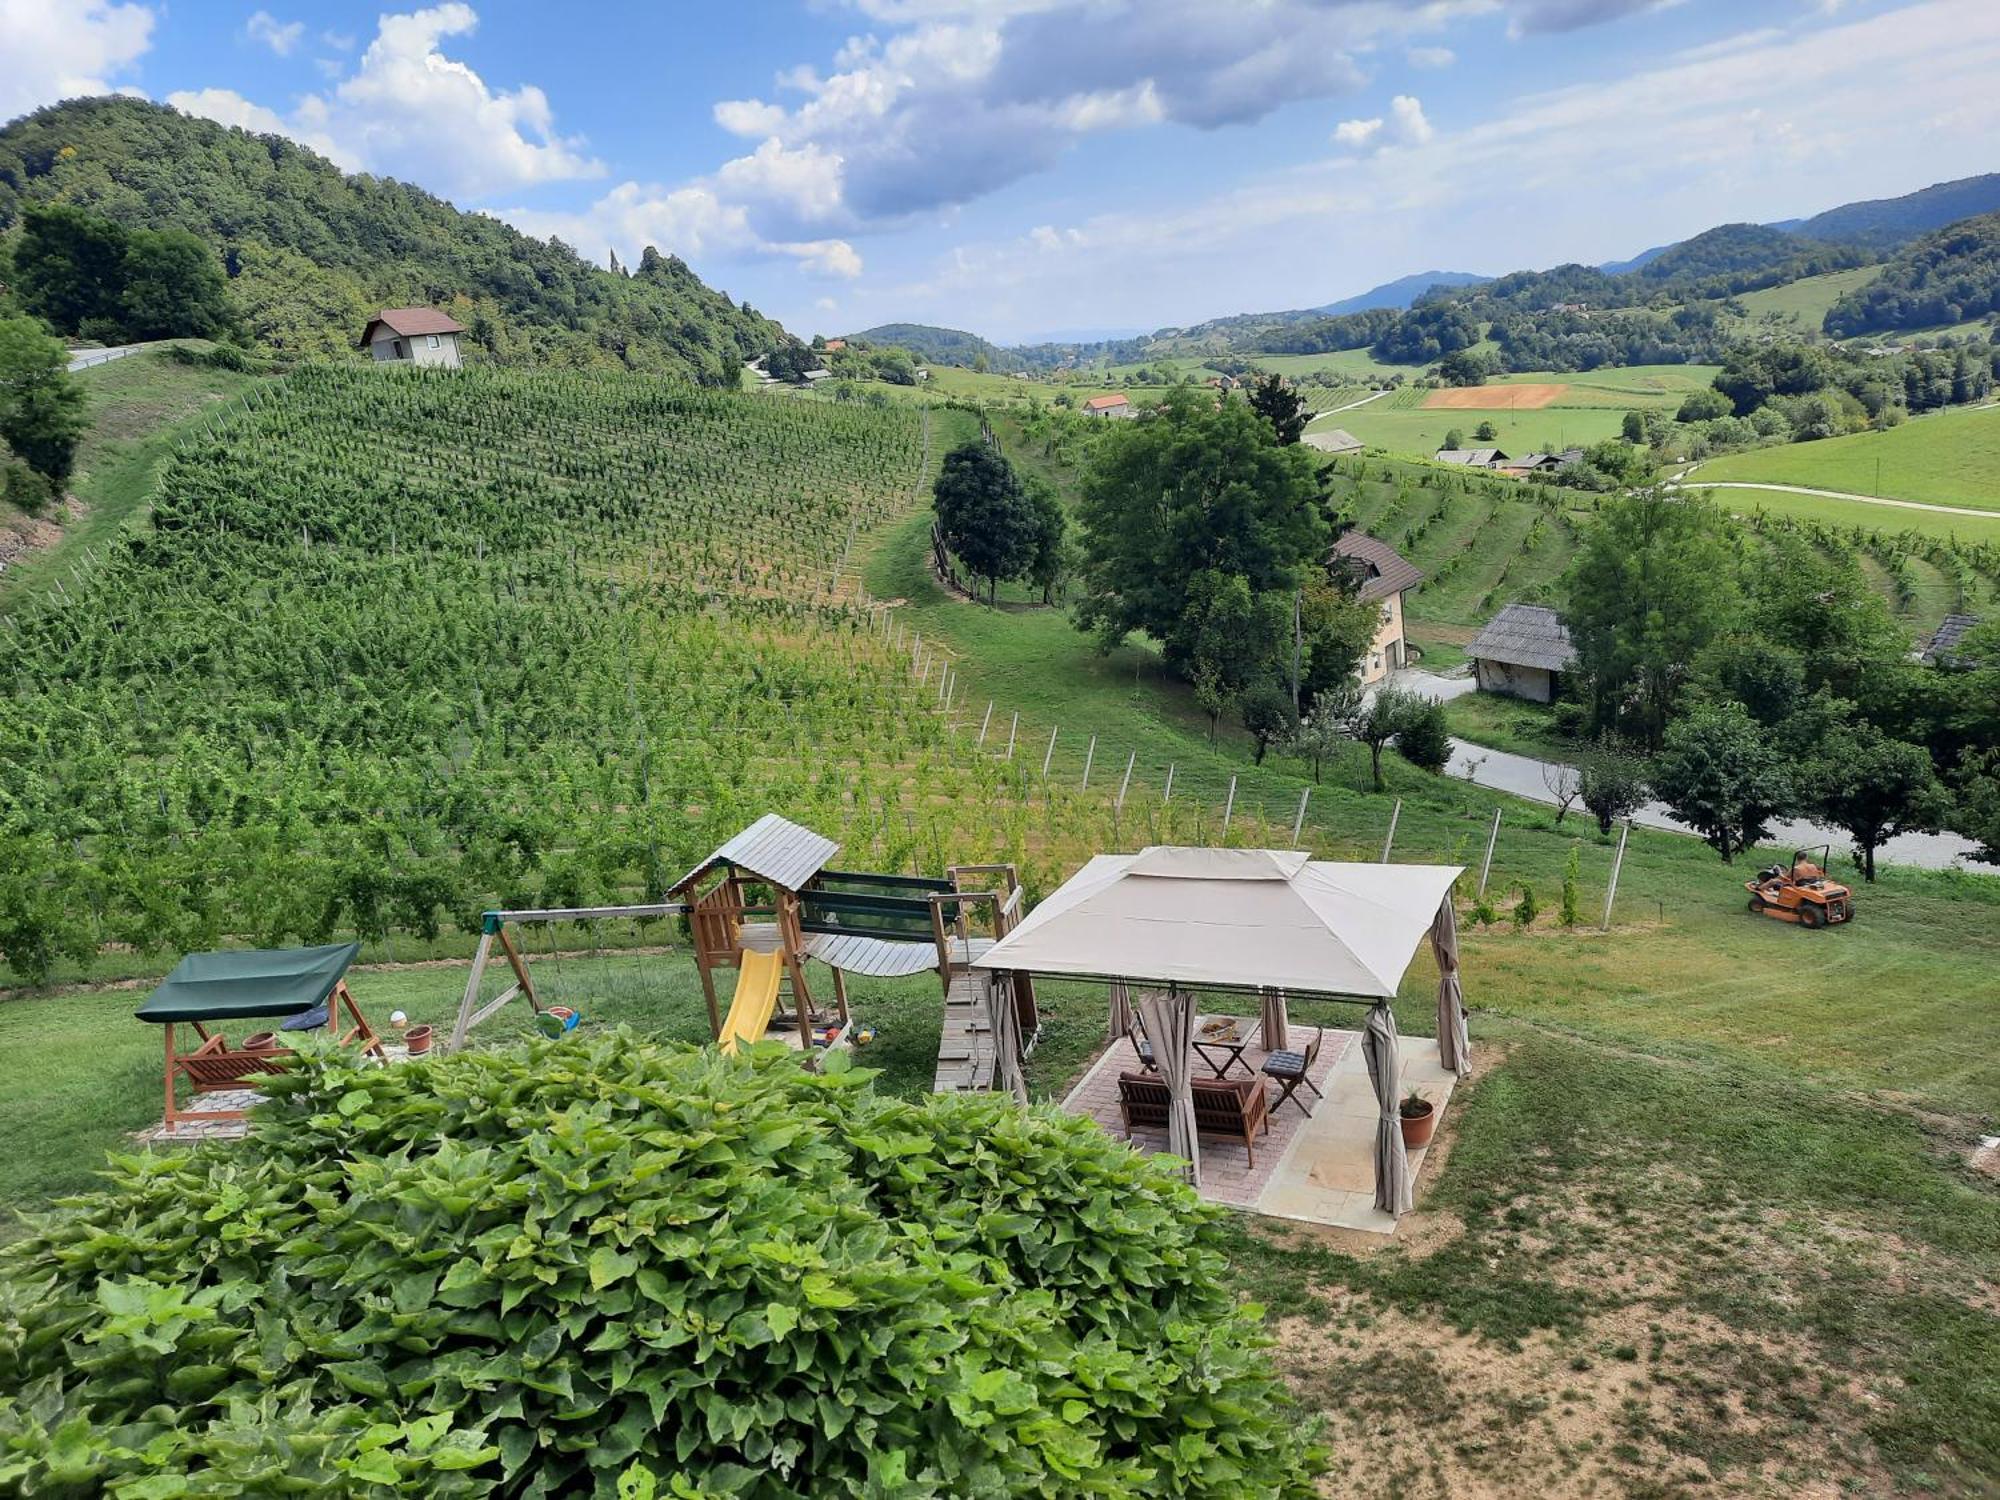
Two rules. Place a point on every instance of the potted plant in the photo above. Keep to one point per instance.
(418, 1040)
(1419, 1119)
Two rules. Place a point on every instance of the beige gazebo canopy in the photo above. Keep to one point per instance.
(1252, 919)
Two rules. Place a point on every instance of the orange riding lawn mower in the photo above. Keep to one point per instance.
(1801, 893)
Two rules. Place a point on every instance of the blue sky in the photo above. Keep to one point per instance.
(1034, 167)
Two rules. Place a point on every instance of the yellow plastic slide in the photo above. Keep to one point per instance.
(756, 998)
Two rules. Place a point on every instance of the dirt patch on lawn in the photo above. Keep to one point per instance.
(1494, 397)
(23, 536)
(1659, 1402)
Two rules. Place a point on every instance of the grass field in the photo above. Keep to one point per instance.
(1946, 458)
(1884, 518)
(1421, 432)
(1804, 303)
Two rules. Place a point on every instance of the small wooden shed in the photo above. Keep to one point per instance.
(1523, 652)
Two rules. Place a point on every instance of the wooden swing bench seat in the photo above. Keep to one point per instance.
(214, 1066)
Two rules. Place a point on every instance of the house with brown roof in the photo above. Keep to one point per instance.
(1381, 576)
(1109, 406)
(412, 336)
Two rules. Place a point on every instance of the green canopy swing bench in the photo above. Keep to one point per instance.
(240, 985)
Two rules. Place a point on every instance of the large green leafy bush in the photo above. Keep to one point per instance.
(548, 1270)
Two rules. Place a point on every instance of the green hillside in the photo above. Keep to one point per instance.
(312, 253)
(1946, 278)
(1804, 304)
(1944, 458)
(943, 346)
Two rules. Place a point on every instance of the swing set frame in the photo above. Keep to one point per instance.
(493, 929)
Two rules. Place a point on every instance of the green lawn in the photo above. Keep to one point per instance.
(1804, 303)
(1946, 458)
(1889, 519)
(1420, 432)
(1504, 723)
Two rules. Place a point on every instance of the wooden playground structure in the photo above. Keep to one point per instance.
(767, 901)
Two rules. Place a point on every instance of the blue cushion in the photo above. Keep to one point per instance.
(1284, 1063)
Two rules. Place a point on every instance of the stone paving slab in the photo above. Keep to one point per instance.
(1228, 1173)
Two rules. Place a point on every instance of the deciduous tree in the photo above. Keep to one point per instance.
(1281, 406)
(984, 515)
(41, 404)
(1721, 776)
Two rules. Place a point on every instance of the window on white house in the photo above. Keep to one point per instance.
(434, 341)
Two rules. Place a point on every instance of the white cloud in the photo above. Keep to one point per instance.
(282, 37)
(1405, 126)
(751, 117)
(51, 52)
(1671, 148)
(1408, 123)
(1431, 57)
(407, 110)
(227, 107)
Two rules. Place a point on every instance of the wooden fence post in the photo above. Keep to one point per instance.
(984, 722)
(1168, 795)
(1389, 842)
(1089, 756)
(1486, 865)
(1126, 784)
(1300, 821)
(1617, 863)
(1049, 753)
(1012, 730)
(1229, 807)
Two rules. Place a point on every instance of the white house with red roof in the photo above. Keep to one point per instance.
(413, 336)
(1109, 406)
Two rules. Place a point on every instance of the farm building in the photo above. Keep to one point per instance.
(1383, 576)
(1523, 651)
(1333, 440)
(1536, 463)
(412, 336)
(1109, 406)
(834, 346)
(1472, 458)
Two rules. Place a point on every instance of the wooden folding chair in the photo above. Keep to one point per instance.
(1291, 1070)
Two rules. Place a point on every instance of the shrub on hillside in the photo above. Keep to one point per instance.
(541, 1271)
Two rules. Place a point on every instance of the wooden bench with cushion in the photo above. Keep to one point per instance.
(1235, 1108)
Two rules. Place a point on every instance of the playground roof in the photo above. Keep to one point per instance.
(218, 986)
(771, 849)
(1232, 918)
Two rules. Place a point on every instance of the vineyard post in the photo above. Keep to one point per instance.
(1486, 865)
(1617, 864)
(1168, 795)
(984, 722)
(1089, 756)
(1299, 821)
(944, 685)
(1389, 842)
(1049, 754)
(1126, 784)
(1229, 807)
(1013, 729)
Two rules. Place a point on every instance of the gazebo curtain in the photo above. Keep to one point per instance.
(1120, 1022)
(1392, 1166)
(1276, 1032)
(1454, 1040)
(1006, 1036)
(1169, 1020)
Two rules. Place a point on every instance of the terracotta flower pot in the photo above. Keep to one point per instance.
(418, 1040)
(262, 1041)
(1417, 1128)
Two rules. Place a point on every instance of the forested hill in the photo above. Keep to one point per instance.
(1887, 222)
(943, 346)
(1952, 276)
(311, 252)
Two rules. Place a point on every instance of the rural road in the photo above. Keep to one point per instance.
(1332, 411)
(1800, 489)
(83, 359)
(1521, 775)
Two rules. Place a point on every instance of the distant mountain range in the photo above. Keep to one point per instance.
(1402, 291)
(1725, 261)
